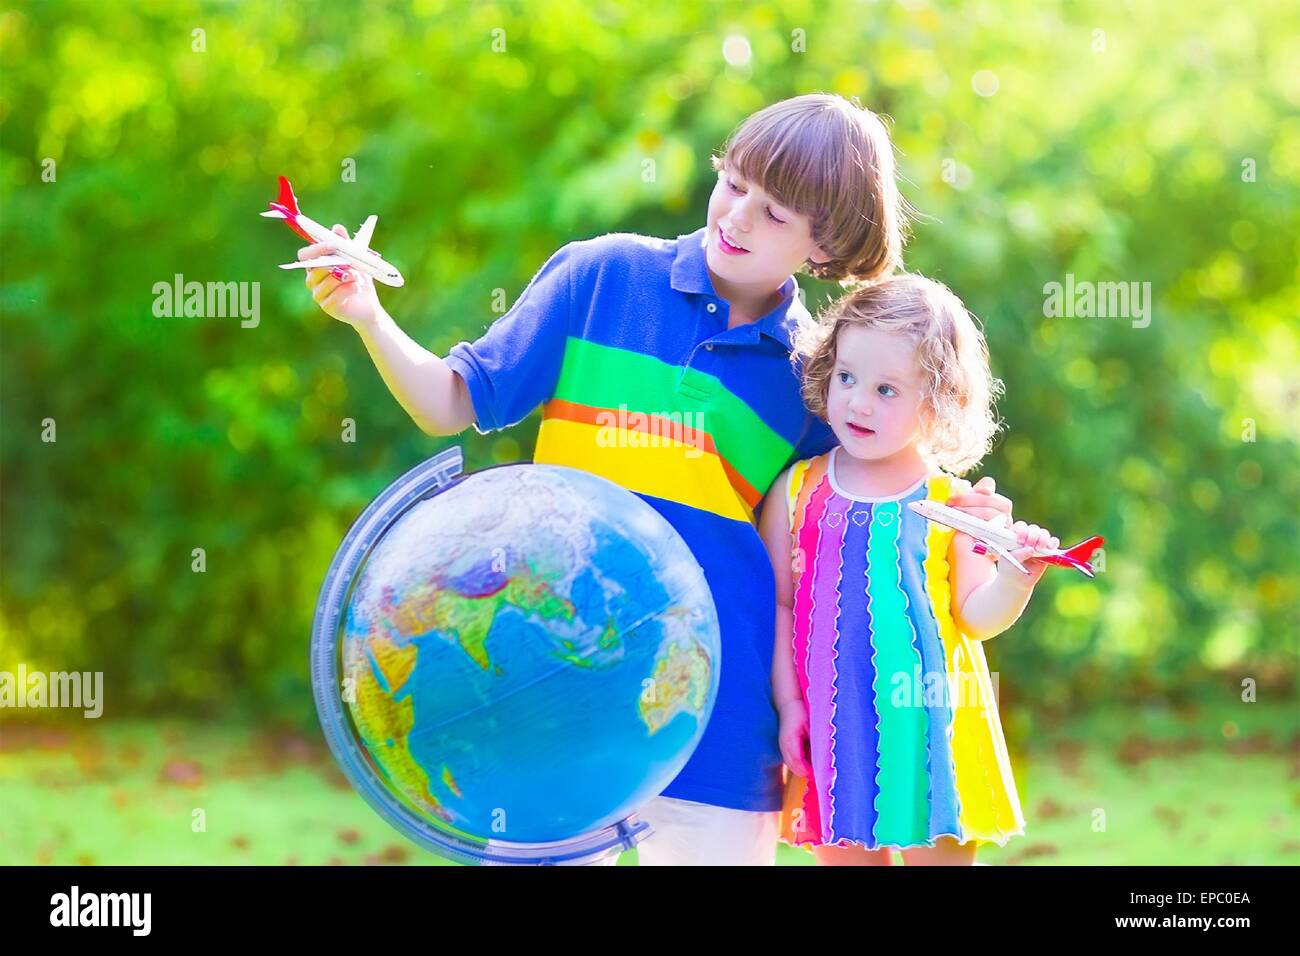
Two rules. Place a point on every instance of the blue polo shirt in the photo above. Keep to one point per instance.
(625, 333)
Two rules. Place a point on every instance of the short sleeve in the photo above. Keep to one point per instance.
(514, 366)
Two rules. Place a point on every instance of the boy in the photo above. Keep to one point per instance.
(622, 335)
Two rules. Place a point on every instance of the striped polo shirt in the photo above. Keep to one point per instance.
(624, 344)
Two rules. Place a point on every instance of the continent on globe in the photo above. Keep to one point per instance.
(462, 608)
(388, 723)
(679, 683)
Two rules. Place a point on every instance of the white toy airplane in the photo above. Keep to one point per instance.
(1003, 540)
(354, 252)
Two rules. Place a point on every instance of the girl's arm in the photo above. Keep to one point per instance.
(988, 600)
(774, 527)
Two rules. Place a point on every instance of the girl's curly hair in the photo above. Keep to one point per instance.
(957, 402)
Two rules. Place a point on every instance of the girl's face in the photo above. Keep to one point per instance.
(776, 241)
(873, 401)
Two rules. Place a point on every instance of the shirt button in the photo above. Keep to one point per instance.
(712, 307)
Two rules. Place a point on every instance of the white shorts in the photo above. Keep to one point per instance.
(687, 833)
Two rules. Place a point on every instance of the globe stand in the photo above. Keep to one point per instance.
(425, 480)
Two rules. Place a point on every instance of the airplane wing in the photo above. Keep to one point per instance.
(321, 262)
(1005, 553)
(366, 230)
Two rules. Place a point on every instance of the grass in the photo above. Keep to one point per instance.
(1213, 786)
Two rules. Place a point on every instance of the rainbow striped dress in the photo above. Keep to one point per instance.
(904, 736)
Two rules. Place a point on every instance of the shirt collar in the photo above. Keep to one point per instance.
(690, 273)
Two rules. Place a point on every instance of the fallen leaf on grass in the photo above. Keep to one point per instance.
(394, 853)
(183, 773)
(1034, 850)
(1049, 809)
(1170, 817)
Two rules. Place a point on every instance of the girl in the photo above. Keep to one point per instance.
(885, 702)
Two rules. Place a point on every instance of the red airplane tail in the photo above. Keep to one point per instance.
(286, 204)
(286, 198)
(1077, 556)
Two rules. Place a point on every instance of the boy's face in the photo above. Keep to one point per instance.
(776, 240)
(873, 401)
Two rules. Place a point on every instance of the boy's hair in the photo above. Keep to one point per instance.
(958, 420)
(830, 159)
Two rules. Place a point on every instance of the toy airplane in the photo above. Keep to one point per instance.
(354, 252)
(1003, 540)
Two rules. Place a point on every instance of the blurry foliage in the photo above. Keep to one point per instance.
(1115, 156)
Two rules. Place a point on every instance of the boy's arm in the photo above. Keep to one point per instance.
(436, 399)
(434, 395)
(490, 383)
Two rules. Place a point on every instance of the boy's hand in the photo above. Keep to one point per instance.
(352, 299)
(793, 737)
(1031, 538)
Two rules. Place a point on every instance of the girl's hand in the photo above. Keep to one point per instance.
(981, 500)
(1031, 538)
(351, 299)
(793, 737)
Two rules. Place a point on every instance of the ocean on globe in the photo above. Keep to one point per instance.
(528, 655)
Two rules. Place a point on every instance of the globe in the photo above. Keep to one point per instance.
(508, 664)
